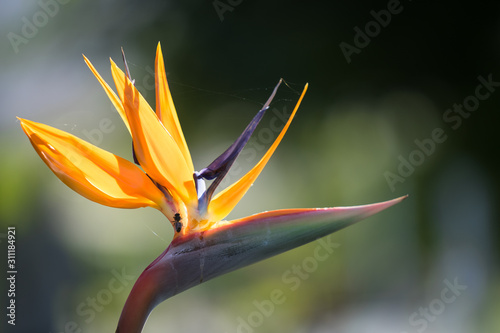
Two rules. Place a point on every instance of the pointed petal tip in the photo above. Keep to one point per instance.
(380, 206)
(87, 61)
(159, 53)
(401, 198)
(25, 124)
(22, 123)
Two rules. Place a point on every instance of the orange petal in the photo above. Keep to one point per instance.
(222, 204)
(155, 148)
(165, 109)
(91, 171)
(111, 94)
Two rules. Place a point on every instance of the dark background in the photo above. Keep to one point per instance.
(356, 123)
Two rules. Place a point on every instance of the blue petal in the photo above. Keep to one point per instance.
(220, 166)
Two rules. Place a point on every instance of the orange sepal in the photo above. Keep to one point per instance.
(154, 146)
(165, 108)
(91, 171)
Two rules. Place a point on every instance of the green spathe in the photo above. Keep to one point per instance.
(198, 257)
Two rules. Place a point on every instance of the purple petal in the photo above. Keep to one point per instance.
(226, 159)
(220, 166)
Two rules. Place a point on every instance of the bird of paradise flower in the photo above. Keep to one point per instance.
(204, 244)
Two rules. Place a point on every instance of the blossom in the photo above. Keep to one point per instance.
(205, 245)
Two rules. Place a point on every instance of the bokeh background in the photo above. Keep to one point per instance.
(357, 123)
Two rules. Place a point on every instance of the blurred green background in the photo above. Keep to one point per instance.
(358, 122)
